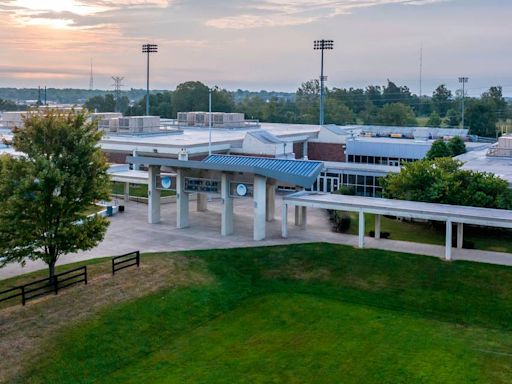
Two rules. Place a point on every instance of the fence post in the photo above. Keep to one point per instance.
(85, 271)
(23, 301)
(56, 282)
(138, 259)
(113, 270)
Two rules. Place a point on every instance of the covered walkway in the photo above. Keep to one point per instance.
(450, 214)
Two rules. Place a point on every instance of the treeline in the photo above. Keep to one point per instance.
(383, 105)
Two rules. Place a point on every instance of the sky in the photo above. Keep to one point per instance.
(256, 44)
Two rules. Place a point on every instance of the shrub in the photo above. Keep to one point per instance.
(341, 221)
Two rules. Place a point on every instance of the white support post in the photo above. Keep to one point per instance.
(298, 216)
(271, 203)
(448, 241)
(460, 235)
(259, 207)
(153, 195)
(181, 201)
(127, 193)
(227, 227)
(202, 202)
(377, 226)
(361, 230)
(303, 217)
(305, 150)
(284, 221)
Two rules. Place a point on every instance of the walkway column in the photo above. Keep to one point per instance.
(259, 207)
(298, 216)
(305, 150)
(284, 221)
(181, 201)
(127, 193)
(271, 203)
(226, 227)
(361, 230)
(153, 195)
(202, 202)
(448, 243)
(303, 217)
(460, 235)
(377, 226)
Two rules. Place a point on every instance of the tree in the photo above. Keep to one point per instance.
(434, 120)
(438, 149)
(190, 96)
(337, 113)
(456, 146)
(481, 118)
(105, 103)
(45, 193)
(453, 118)
(396, 114)
(441, 98)
(443, 181)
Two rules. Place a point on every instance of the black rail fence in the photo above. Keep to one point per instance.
(125, 261)
(46, 286)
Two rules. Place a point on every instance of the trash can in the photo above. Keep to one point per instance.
(121, 208)
(110, 210)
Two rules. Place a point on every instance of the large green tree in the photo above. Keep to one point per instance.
(45, 193)
(396, 114)
(443, 181)
(438, 149)
(442, 100)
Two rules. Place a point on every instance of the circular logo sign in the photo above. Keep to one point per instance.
(241, 190)
(166, 182)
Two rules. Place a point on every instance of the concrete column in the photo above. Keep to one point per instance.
(202, 202)
(284, 221)
(153, 195)
(361, 230)
(460, 235)
(227, 207)
(181, 201)
(304, 217)
(298, 216)
(305, 150)
(271, 203)
(448, 241)
(135, 167)
(259, 207)
(127, 193)
(377, 226)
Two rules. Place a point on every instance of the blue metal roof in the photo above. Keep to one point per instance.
(295, 172)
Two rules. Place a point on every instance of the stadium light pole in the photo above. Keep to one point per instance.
(148, 48)
(463, 81)
(209, 121)
(322, 45)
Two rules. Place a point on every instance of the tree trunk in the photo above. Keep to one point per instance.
(51, 270)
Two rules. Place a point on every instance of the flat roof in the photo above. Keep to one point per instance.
(403, 208)
(345, 166)
(480, 162)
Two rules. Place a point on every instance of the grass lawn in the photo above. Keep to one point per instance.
(490, 239)
(137, 190)
(317, 313)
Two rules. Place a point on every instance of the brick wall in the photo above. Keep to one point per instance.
(326, 152)
(117, 157)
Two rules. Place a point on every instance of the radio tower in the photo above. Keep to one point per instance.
(91, 79)
(117, 88)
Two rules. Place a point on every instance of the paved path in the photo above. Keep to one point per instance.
(130, 231)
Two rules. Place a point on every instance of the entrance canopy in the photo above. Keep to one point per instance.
(295, 172)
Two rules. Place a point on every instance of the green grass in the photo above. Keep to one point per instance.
(489, 239)
(303, 313)
(137, 190)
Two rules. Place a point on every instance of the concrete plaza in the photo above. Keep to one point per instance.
(130, 231)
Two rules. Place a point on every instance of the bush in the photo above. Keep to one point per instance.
(341, 221)
(383, 235)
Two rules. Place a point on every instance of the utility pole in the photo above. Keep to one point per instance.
(322, 45)
(463, 81)
(148, 48)
(91, 79)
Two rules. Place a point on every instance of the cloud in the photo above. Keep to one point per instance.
(273, 13)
